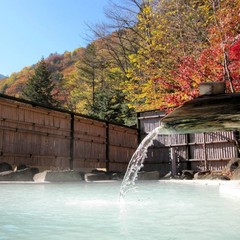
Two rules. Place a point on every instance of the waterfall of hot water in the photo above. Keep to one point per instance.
(136, 162)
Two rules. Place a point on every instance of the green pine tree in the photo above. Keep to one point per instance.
(110, 105)
(39, 87)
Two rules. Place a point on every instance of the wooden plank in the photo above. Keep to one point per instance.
(173, 162)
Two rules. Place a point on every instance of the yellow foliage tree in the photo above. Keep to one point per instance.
(167, 30)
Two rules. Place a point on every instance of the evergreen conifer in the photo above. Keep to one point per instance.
(39, 87)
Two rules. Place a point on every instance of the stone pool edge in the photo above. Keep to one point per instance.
(228, 187)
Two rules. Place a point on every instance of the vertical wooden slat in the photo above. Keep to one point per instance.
(173, 161)
(71, 150)
(107, 144)
(205, 151)
(189, 167)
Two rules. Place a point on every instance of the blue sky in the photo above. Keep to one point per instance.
(32, 29)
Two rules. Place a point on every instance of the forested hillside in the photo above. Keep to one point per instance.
(150, 54)
(2, 76)
(59, 64)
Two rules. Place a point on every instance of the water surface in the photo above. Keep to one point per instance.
(163, 211)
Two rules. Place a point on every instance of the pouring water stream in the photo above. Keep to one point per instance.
(136, 162)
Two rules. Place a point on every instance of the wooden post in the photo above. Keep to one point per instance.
(140, 133)
(107, 147)
(205, 152)
(189, 165)
(71, 157)
(236, 139)
(173, 161)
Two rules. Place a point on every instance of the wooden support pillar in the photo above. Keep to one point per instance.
(140, 133)
(71, 154)
(236, 138)
(173, 161)
(205, 152)
(107, 147)
(188, 152)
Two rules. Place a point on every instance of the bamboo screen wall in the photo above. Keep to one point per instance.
(200, 151)
(54, 139)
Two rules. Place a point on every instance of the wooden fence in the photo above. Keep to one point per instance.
(173, 153)
(50, 138)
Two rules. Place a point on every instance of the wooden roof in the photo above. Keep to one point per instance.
(205, 114)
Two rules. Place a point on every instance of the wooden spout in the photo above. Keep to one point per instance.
(205, 114)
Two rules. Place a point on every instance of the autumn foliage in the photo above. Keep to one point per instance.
(194, 52)
(156, 58)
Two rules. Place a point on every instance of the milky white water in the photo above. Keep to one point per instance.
(157, 210)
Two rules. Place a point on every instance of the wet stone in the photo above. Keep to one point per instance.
(58, 176)
(21, 175)
(100, 176)
(5, 167)
(154, 175)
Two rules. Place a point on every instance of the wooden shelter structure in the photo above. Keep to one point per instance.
(203, 134)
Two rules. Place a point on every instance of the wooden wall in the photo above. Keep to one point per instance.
(122, 144)
(55, 139)
(200, 151)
